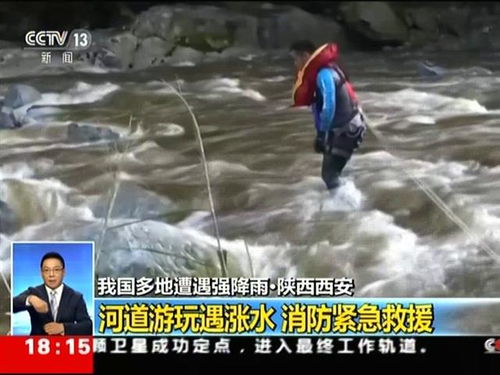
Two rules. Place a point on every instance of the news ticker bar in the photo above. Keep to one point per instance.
(86, 355)
(294, 316)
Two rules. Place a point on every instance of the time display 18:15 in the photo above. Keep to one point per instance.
(71, 346)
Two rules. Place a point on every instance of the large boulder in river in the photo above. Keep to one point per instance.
(376, 22)
(8, 219)
(20, 95)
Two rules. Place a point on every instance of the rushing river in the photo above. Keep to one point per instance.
(379, 228)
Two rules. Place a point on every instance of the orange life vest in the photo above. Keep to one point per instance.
(305, 84)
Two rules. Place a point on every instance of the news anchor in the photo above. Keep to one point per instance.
(54, 308)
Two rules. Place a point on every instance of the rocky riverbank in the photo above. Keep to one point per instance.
(131, 36)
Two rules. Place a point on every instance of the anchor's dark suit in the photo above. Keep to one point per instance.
(72, 311)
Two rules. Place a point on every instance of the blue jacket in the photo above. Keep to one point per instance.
(324, 106)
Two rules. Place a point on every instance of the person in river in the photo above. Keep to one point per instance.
(322, 84)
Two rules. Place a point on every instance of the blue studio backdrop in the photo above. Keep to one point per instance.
(26, 257)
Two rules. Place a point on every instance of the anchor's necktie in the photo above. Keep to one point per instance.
(53, 303)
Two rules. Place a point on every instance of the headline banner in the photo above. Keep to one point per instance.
(292, 316)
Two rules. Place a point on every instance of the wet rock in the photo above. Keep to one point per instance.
(374, 22)
(164, 30)
(8, 219)
(88, 133)
(20, 95)
(180, 33)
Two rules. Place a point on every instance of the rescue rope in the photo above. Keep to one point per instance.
(221, 253)
(435, 198)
